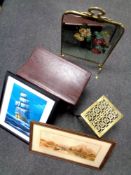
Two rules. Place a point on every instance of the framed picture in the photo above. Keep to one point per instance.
(21, 103)
(89, 35)
(72, 146)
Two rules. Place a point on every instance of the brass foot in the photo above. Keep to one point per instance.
(99, 70)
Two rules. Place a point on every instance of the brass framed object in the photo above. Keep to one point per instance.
(89, 35)
(101, 116)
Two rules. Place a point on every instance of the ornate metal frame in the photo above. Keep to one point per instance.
(99, 15)
(101, 116)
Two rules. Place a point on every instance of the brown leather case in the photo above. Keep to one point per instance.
(55, 75)
(70, 19)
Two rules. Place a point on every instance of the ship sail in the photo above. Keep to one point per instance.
(24, 100)
(22, 108)
(23, 95)
(22, 105)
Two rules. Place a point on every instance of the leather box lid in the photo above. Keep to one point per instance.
(55, 75)
(70, 19)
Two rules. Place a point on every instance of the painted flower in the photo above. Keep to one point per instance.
(99, 42)
(85, 32)
(96, 51)
(106, 36)
(105, 33)
(78, 37)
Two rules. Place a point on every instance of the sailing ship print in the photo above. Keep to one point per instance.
(22, 108)
(25, 105)
(20, 118)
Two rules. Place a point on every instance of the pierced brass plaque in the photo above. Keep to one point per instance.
(101, 116)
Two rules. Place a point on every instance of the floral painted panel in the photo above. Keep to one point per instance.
(88, 38)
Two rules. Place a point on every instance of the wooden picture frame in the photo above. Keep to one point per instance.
(72, 146)
(21, 103)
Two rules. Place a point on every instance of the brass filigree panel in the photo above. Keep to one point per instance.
(101, 116)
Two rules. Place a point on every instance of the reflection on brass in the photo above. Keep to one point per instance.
(101, 116)
(79, 150)
(89, 35)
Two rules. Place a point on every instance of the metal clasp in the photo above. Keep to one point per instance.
(96, 12)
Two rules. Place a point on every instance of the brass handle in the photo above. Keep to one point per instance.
(96, 12)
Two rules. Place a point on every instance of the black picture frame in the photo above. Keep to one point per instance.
(22, 102)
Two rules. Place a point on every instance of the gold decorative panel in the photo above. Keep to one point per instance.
(101, 116)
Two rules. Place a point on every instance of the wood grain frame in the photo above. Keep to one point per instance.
(72, 146)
